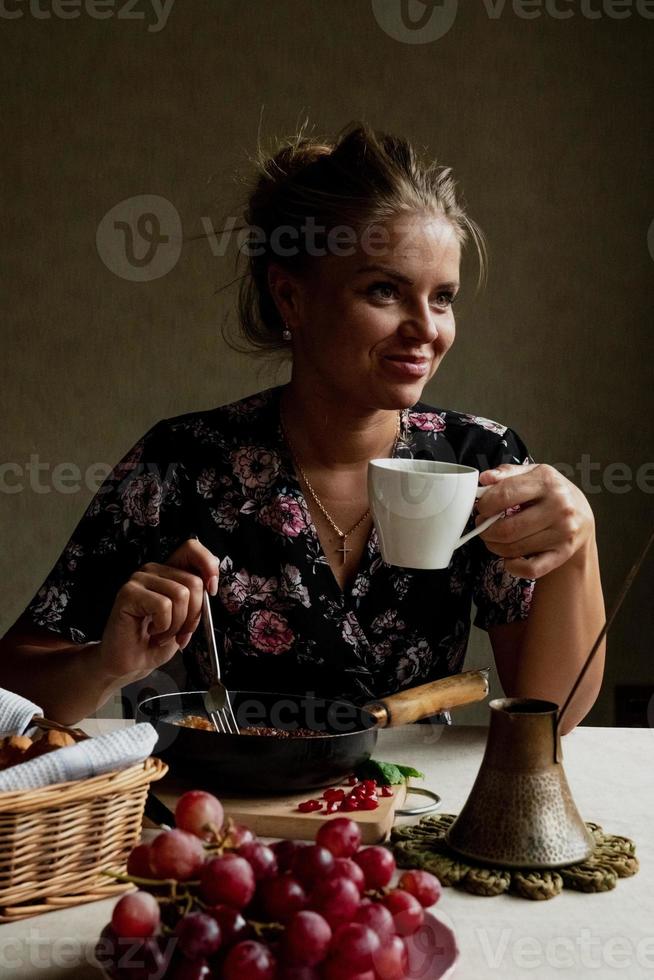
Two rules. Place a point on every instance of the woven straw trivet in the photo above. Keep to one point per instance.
(422, 845)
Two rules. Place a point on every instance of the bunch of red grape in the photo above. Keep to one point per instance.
(215, 903)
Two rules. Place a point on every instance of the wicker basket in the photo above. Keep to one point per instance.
(56, 841)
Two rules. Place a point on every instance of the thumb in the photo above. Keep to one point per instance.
(488, 477)
(192, 556)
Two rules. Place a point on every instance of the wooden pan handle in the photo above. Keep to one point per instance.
(428, 699)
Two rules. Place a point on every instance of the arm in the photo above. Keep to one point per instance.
(67, 680)
(154, 615)
(542, 656)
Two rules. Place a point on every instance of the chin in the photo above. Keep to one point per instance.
(401, 395)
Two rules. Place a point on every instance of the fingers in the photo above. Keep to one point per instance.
(531, 544)
(510, 485)
(183, 590)
(486, 477)
(192, 556)
(153, 608)
(516, 526)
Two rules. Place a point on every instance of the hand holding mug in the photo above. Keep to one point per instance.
(420, 507)
(549, 520)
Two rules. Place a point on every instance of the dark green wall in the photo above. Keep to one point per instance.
(547, 123)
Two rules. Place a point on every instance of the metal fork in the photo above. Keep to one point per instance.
(216, 699)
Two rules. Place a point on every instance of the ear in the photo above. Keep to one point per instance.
(285, 289)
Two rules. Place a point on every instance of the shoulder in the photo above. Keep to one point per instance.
(219, 426)
(463, 436)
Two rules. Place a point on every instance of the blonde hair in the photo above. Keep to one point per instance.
(362, 179)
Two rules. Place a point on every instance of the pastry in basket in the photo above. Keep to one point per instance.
(21, 748)
(13, 749)
(49, 741)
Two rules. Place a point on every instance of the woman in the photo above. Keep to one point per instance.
(353, 267)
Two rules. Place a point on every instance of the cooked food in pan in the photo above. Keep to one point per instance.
(197, 721)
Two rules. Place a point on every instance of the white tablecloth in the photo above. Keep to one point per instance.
(608, 935)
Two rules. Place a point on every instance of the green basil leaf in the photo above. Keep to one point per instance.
(385, 773)
(409, 771)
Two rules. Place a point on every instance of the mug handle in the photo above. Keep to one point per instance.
(484, 524)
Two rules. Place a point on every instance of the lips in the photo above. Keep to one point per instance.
(408, 365)
(407, 359)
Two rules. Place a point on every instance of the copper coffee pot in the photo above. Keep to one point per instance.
(520, 812)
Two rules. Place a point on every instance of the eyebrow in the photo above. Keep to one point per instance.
(399, 276)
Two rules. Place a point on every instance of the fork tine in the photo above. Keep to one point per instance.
(226, 720)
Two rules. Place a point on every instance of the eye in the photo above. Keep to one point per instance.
(445, 299)
(382, 290)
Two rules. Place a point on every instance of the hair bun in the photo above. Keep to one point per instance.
(291, 160)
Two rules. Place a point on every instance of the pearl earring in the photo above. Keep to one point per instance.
(286, 333)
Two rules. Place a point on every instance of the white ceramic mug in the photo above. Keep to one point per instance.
(420, 507)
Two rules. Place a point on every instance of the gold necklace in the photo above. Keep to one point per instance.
(343, 535)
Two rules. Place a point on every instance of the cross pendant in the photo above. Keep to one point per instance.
(343, 550)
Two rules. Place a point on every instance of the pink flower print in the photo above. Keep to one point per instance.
(72, 552)
(291, 585)
(285, 515)
(255, 467)
(388, 620)
(127, 464)
(270, 632)
(352, 633)
(51, 607)
(141, 499)
(427, 421)
(236, 590)
(245, 407)
(486, 424)
(207, 482)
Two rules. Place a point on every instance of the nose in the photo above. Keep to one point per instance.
(421, 324)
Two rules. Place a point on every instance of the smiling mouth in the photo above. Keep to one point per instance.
(407, 359)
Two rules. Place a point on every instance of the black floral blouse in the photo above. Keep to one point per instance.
(281, 619)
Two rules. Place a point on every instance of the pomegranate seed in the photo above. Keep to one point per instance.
(369, 786)
(386, 791)
(334, 794)
(309, 806)
(368, 804)
(352, 780)
(348, 804)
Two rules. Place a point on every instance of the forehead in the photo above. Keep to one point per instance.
(422, 240)
(416, 245)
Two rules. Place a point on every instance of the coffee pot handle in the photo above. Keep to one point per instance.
(484, 524)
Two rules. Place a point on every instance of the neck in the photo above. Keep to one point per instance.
(332, 434)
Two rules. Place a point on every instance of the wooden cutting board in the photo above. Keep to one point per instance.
(279, 817)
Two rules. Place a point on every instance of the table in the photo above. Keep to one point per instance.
(607, 935)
